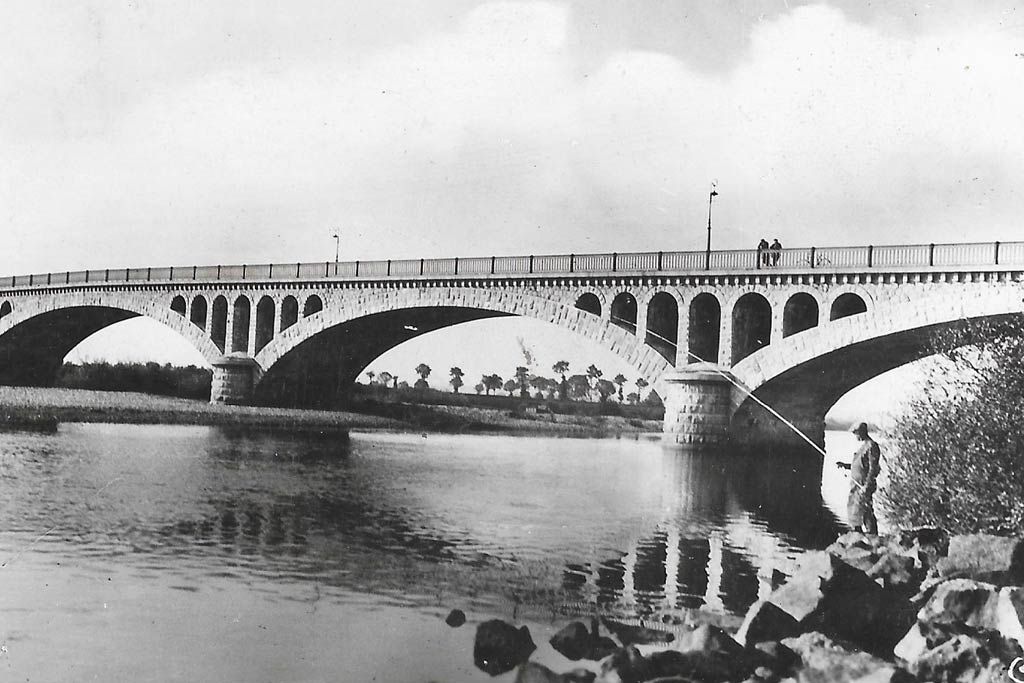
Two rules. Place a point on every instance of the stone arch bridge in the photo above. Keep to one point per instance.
(706, 329)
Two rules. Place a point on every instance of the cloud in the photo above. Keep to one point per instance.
(485, 135)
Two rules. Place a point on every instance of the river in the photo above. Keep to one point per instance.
(168, 553)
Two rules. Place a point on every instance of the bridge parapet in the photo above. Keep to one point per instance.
(884, 258)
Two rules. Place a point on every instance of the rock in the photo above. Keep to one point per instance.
(708, 638)
(965, 659)
(830, 596)
(531, 672)
(637, 635)
(825, 660)
(575, 642)
(777, 657)
(896, 571)
(766, 621)
(925, 544)
(982, 557)
(962, 601)
(500, 646)
(625, 665)
(629, 666)
(455, 618)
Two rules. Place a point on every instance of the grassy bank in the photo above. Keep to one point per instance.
(23, 407)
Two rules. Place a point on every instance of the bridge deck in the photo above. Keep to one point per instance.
(916, 257)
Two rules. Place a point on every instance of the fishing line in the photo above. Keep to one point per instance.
(746, 391)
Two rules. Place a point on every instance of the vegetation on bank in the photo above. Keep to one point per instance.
(957, 458)
(40, 408)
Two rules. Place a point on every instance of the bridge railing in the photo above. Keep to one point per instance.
(971, 254)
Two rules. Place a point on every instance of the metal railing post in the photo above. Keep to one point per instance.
(492, 265)
(659, 260)
(243, 271)
(931, 255)
(997, 254)
(218, 271)
(195, 271)
(106, 276)
(871, 251)
(389, 267)
(615, 261)
(297, 267)
(357, 268)
(47, 278)
(421, 266)
(456, 265)
(149, 273)
(270, 274)
(171, 275)
(86, 277)
(531, 264)
(572, 263)
(812, 257)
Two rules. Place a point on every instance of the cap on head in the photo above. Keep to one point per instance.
(861, 429)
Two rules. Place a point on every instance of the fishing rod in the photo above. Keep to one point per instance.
(746, 391)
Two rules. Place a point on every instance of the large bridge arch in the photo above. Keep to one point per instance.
(41, 330)
(803, 376)
(353, 330)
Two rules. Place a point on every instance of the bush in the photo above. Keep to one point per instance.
(958, 448)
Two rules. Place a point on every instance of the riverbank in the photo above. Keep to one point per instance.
(43, 408)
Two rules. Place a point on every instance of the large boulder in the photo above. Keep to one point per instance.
(993, 559)
(829, 596)
(766, 621)
(575, 642)
(824, 660)
(500, 646)
(963, 658)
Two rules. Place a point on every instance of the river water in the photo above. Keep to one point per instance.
(167, 553)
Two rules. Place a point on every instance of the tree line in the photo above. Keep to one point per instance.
(589, 385)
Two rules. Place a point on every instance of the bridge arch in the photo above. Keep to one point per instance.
(589, 302)
(624, 310)
(663, 324)
(198, 313)
(346, 336)
(751, 325)
(804, 375)
(178, 305)
(314, 304)
(847, 304)
(5, 309)
(37, 334)
(289, 312)
(704, 328)
(241, 310)
(800, 313)
(264, 322)
(219, 322)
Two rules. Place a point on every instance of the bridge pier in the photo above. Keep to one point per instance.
(234, 379)
(697, 404)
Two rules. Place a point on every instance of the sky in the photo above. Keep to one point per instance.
(148, 133)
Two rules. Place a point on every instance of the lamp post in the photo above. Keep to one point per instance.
(707, 254)
(337, 250)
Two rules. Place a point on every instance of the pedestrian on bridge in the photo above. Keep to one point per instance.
(776, 250)
(863, 481)
(762, 252)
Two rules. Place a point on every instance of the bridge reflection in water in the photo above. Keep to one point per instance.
(626, 527)
(732, 527)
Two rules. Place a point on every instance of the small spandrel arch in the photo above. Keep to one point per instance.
(198, 314)
(289, 312)
(799, 314)
(624, 311)
(590, 303)
(846, 305)
(314, 304)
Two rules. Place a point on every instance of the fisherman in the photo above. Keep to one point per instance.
(863, 481)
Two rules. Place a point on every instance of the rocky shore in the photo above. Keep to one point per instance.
(918, 605)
